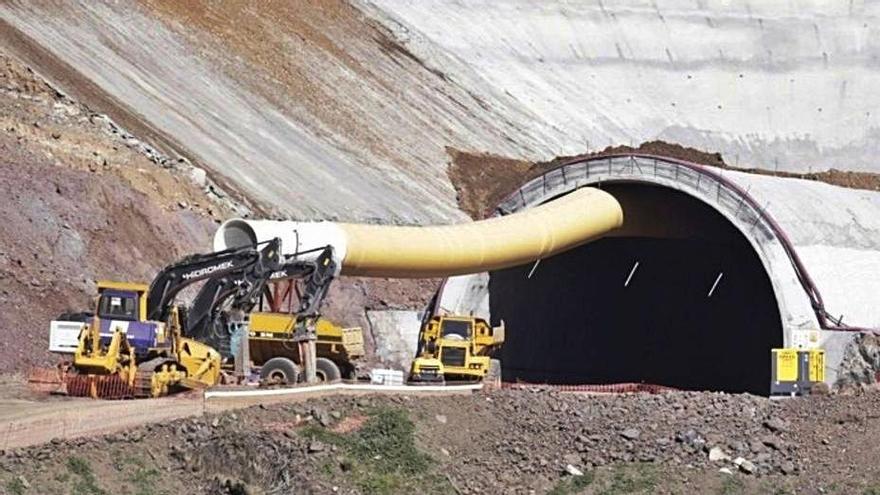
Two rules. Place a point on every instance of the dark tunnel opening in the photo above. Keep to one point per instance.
(677, 297)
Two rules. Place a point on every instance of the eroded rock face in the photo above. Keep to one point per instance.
(78, 205)
(395, 334)
(861, 363)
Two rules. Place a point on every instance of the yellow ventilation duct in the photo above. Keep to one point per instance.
(441, 251)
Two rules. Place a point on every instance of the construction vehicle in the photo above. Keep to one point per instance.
(272, 348)
(271, 334)
(456, 348)
(222, 300)
(133, 345)
(294, 300)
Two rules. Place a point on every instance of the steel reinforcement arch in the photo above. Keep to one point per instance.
(698, 180)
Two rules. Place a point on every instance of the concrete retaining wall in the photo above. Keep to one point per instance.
(785, 85)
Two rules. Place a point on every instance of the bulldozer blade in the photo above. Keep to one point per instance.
(99, 387)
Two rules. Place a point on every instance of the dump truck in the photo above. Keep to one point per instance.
(272, 347)
(456, 348)
(133, 344)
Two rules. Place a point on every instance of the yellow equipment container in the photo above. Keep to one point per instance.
(796, 371)
(816, 365)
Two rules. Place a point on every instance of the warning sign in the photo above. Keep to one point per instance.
(786, 365)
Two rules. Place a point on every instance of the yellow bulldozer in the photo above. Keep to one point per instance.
(457, 348)
(121, 354)
(134, 345)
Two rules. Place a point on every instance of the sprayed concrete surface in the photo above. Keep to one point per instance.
(226, 124)
(333, 110)
(311, 109)
(769, 84)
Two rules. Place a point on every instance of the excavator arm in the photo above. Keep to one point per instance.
(238, 290)
(315, 288)
(243, 286)
(319, 277)
(214, 266)
(205, 319)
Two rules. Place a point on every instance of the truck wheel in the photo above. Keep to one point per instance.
(349, 372)
(327, 370)
(279, 370)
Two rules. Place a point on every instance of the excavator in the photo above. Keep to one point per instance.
(207, 319)
(276, 339)
(134, 345)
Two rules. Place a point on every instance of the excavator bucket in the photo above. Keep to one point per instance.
(99, 387)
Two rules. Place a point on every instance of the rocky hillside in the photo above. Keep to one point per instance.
(82, 202)
(86, 200)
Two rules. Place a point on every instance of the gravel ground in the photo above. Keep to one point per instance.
(507, 441)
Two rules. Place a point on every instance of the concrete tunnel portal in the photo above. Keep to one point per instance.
(677, 297)
(690, 293)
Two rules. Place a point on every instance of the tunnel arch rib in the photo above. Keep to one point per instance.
(800, 305)
(705, 183)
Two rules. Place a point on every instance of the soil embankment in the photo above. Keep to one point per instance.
(509, 441)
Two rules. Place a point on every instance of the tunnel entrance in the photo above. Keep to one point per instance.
(678, 297)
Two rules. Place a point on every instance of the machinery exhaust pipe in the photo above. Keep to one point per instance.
(440, 251)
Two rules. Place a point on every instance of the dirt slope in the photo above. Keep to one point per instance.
(85, 200)
(312, 109)
(79, 205)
